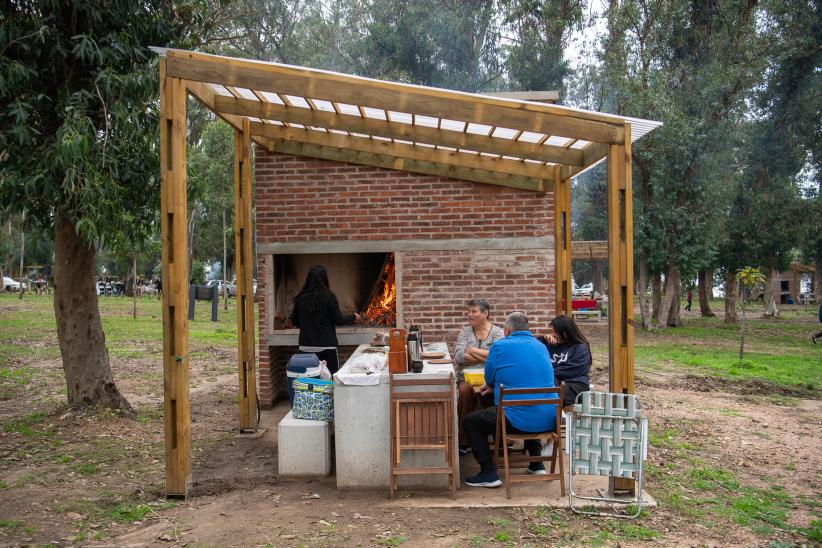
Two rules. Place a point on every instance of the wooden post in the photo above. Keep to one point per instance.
(175, 283)
(562, 242)
(243, 231)
(620, 277)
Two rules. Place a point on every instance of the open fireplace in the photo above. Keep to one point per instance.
(363, 282)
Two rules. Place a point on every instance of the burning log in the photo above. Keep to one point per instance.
(382, 308)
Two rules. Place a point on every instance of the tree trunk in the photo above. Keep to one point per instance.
(670, 297)
(817, 281)
(730, 297)
(767, 295)
(742, 335)
(656, 297)
(134, 284)
(191, 239)
(225, 266)
(22, 253)
(705, 280)
(79, 331)
(642, 291)
(598, 280)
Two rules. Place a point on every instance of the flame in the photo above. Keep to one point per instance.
(382, 310)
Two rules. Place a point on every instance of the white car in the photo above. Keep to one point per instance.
(10, 285)
(583, 291)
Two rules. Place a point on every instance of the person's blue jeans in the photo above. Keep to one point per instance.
(479, 425)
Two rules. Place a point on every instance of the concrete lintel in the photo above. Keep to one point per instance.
(347, 336)
(385, 246)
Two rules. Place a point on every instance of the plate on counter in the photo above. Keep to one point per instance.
(439, 360)
(431, 355)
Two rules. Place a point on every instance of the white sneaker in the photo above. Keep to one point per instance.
(548, 449)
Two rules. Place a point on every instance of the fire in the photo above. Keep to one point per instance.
(382, 310)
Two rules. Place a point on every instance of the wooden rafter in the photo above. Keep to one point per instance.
(536, 117)
(397, 130)
(414, 166)
(402, 150)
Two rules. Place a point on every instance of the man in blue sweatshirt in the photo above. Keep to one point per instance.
(517, 361)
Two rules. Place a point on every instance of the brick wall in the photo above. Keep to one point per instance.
(299, 199)
(436, 285)
(302, 200)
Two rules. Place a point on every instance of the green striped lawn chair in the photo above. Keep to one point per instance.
(606, 436)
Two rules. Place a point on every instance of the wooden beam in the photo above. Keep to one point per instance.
(591, 154)
(620, 278)
(414, 166)
(208, 98)
(562, 238)
(589, 250)
(173, 227)
(543, 96)
(438, 103)
(401, 150)
(244, 257)
(395, 130)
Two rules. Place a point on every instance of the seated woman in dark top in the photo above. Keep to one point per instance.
(571, 356)
(317, 313)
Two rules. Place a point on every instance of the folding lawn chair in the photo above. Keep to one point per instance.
(606, 436)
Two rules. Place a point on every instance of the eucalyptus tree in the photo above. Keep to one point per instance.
(537, 34)
(78, 126)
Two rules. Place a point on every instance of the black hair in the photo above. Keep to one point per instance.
(567, 331)
(482, 304)
(316, 285)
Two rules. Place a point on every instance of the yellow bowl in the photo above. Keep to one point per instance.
(476, 378)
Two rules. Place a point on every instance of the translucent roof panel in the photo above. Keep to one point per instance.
(376, 113)
(297, 101)
(479, 129)
(531, 137)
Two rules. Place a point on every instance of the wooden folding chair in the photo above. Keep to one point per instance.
(553, 396)
(422, 418)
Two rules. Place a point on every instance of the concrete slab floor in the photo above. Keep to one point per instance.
(531, 494)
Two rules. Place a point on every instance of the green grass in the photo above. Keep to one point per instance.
(24, 425)
(33, 320)
(801, 372)
(713, 496)
(14, 525)
(394, 540)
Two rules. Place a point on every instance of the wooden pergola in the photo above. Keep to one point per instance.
(308, 112)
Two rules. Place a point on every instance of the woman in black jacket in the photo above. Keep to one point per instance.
(571, 356)
(317, 313)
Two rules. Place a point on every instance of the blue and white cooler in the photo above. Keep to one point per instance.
(301, 366)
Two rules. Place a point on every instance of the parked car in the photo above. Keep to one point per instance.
(10, 285)
(583, 291)
(232, 288)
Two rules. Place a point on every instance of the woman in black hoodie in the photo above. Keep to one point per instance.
(570, 355)
(317, 314)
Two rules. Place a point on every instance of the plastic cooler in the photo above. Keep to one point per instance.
(301, 366)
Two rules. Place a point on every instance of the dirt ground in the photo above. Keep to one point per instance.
(95, 478)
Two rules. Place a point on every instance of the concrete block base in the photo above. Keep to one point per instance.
(303, 447)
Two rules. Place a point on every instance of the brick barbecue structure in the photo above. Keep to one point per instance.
(452, 240)
(470, 198)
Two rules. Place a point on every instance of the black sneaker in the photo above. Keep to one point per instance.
(537, 469)
(465, 449)
(484, 479)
